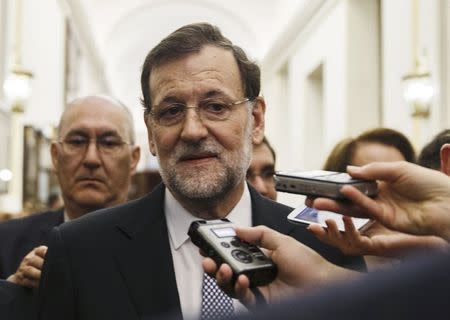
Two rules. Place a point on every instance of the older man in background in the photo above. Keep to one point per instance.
(94, 159)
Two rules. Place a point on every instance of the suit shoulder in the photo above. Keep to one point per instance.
(34, 221)
(272, 207)
(279, 207)
(102, 219)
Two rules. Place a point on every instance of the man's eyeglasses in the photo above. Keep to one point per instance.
(215, 110)
(78, 145)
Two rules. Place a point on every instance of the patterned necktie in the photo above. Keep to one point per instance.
(215, 303)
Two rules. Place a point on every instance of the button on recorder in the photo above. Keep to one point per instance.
(218, 239)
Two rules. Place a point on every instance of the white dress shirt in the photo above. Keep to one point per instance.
(187, 260)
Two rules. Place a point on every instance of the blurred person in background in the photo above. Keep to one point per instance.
(261, 172)
(379, 144)
(94, 159)
(430, 156)
(376, 243)
(54, 201)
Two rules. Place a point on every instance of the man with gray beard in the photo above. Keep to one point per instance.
(203, 112)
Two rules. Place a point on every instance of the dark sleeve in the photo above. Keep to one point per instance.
(416, 290)
(15, 302)
(56, 291)
(8, 244)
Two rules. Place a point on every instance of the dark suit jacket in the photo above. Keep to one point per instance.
(19, 236)
(14, 301)
(117, 264)
(418, 289)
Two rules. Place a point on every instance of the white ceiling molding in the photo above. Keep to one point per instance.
(298, 29)
(193, 5)
(143, 27)
(445, 62)
(83, 32)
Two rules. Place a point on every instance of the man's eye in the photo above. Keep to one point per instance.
(268, 174)
(171, 111)
(216, 107)
(76, 141)
(109, 143)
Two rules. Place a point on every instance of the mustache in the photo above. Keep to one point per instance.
(194, 150)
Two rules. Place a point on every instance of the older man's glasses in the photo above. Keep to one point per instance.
(214, 110)
(78, 145)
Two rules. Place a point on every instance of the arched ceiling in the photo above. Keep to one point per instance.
(123, 32)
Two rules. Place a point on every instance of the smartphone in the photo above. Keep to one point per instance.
(320, 183)
(218, 240)
(306, 215)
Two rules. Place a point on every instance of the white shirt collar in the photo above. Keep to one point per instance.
(66, 216)
(179, 219)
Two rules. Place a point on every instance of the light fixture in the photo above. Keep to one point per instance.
(418, 92)
(418, 88)
(17, 85)
(17, 88)
(5, 175)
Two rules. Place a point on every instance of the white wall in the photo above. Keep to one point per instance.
(398, 60)
(445, 60)
(341, 43)
(2, 45)
(44, 54)
(90, 81)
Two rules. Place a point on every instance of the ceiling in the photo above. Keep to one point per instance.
(123, 31)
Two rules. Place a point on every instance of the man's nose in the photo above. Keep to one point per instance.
(92, 155)
(193, 127)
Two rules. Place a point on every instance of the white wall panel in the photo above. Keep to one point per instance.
(43, 54)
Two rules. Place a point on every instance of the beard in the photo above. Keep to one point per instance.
(211, 182)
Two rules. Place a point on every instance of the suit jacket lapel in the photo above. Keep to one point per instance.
(144, 257)
(266, 212)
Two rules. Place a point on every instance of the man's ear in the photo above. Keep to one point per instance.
(259, 110)
(445, 159)
(151, 143)
(54, 153)
(135, 156)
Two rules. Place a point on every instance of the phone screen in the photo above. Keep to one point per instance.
(307, 215)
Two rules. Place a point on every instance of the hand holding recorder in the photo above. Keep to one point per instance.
(217, 239)
(299, 267)
(320, 183)
(411, 198)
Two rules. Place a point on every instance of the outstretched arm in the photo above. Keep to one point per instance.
(375, 240)
(411, 199)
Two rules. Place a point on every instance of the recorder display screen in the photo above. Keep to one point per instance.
(224, 232)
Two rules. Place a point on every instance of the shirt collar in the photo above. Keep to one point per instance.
(179, 219)
(66, 216)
